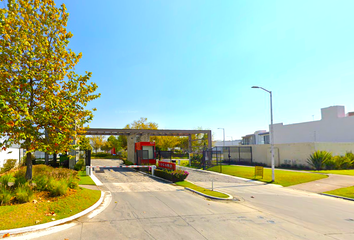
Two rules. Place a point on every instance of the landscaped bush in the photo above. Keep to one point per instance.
(295, 166)
(79, 165)
(318, 159)
(57, 187)
(56, 181)
(174, 176)
(24, 194)
(8, 165)
(100, 154)
(324, 160)
(5, 196)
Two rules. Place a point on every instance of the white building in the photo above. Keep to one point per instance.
(258, 137)
(13, 152)
(335, 126)
(219, 143)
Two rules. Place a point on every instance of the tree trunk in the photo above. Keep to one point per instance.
(54, 160)
(46, 158)
(29, 166)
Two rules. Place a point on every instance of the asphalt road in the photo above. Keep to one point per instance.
(144, 208)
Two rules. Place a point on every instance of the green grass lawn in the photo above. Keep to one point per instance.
(84, 179)
(341, 172)
(202, 190)
(343, 192)
(284, 178)
(28, 214)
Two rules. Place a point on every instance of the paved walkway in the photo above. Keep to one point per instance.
(334, 181)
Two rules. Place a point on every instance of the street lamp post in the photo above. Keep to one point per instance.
(223, 132)
(232, 140)
(271, 129)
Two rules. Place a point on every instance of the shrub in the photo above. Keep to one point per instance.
(174, 176)
(57, 187)
(5, 179)
(20, 180)
(79, 165)
(100, 154)
(73, 183)
(126, 162)
(294, 166)
(24, 194)
(318, 159)
(123, 154)
(5, 196)
(342, 162)
(8, 165)
(331, 163)
(41, 182)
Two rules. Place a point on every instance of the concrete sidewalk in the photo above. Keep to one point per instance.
(334, 181)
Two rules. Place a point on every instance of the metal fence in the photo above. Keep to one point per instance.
(212, 158)
(236, 154)
(164, 155)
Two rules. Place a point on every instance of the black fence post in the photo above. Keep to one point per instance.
(251, 154)
(239, 154)
(88, 158)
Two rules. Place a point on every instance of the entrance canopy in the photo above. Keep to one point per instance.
(151, 132)
(144, 135)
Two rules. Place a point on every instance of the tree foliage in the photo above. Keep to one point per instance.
(39, 89)
(84, 143)
(113, 142)
(97, 142)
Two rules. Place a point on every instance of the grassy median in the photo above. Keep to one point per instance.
(340, 172)
(201, 189)
(343, 192)
(283, 178)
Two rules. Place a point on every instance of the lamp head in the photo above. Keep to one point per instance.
(255, 87)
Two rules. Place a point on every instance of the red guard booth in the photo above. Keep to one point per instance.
(145, 153)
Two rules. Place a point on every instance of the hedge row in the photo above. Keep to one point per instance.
(173, 176)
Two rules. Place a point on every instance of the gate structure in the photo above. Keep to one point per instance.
(212, 158)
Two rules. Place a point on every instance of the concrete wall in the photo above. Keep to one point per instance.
(296, 153)
(132, 139)
(334, 126)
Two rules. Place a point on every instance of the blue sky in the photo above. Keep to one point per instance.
(189, 64)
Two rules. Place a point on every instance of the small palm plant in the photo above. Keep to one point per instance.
(318, 159)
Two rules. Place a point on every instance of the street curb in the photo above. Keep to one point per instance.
(211, 197)
(335, 196)
(95, 179)
(54, 223)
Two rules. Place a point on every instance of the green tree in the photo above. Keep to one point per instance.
(114, 143)
(84, 143)
(142, 123)
(97, 142)
(106, 146)
(165, 143)
(123, 141)
(39, 89)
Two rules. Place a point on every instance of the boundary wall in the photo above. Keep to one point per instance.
(296, 153)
